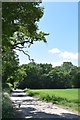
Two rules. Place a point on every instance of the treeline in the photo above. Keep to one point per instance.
(44, 76)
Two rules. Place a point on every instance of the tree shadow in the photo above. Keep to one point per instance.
(71, 116)
(30, 112)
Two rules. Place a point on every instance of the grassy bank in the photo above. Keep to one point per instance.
(65, 97)
(7, 109)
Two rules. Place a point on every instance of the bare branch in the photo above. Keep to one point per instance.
(25, 54)
(20, 47)
(23, 42)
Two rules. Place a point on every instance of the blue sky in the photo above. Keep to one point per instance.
(60, 19)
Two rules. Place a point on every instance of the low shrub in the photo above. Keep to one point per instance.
(7, 109)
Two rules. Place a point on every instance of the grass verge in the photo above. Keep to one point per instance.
(64, 97)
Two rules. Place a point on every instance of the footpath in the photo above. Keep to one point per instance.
(31, 107)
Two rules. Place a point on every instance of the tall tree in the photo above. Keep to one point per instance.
(19, 30)
(75, 77)
(67, 66)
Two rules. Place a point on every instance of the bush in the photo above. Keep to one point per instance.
(10, 85)
(7, 109)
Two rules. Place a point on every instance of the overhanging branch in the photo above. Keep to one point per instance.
(23, 42)
(26, 54)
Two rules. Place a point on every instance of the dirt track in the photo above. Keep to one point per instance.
(31, 107)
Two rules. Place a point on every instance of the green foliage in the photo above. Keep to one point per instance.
(67, 66)
(10, 85)
(21, 20)
(65, 97)
(75, 75)
(9, 65)
(43, 76)
(30, 93)
(7, 109)
(34, 78)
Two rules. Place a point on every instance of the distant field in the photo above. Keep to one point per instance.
(65, 97)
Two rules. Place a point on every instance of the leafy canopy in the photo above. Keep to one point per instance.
(20, 24)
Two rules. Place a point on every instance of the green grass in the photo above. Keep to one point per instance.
(7, 109)
(65, 97)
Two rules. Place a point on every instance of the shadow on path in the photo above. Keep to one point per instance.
(30, 112)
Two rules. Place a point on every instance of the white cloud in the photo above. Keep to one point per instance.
(54, 50)
(65, 54)
(69, 55)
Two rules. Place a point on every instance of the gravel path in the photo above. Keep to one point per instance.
(30, 107)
